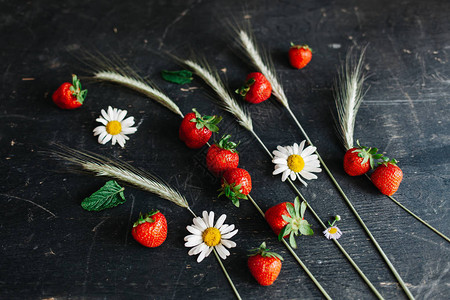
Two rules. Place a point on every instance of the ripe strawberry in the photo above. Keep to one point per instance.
(69, 95)
(387, 176)
(256, 88)
(360, 160)
(299, 56)
(287, 219)
(236, 184)
(222, 156)
(150, 230)
(264, 266)
(195, 130)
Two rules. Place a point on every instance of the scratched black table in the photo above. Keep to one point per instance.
(52, 248)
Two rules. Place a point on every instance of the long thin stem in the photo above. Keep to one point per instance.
(227, 276)
(319, 286)
(352, 208)
(417, 217)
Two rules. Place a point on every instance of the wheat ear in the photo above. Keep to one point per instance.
(211, 77)
(119, 170)
(348, 95)
(116, 71)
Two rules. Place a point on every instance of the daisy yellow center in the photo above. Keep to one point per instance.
(295, 163)
(113, 127)
(332, 230)
(211, 236)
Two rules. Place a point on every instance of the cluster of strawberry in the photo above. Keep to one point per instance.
(387, 175)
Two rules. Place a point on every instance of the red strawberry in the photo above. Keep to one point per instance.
(222, 156)
(150, 230)
(360, 160)
(287, 219)
(299, 56)
(256, 88)
(264, 266)
(387, 177)
(195, 130)
(236, 184)
(69, 95)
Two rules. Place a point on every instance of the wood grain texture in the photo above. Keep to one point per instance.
(52, 248)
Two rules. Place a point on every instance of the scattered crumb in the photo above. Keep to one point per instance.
(188, 89)
(13, 142)
(145, 41)
(27, 78)
(49, 253)
(115, 30)
(334, 46)
(224, 70)
(407, 51)
(246, 17)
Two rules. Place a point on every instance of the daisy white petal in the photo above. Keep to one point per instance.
(193, 242)
(99, 129)
(114, 139)
(301, 146)
(202, 255)
(281, 161)
(124, 136)
(309, 150)
(301, 180)
(285, 175)
(205, 216)
(121, 115)
(200, 223)
(228, 243)
(307, 175)
(296, 148)
(279, 170)
(197, 249)
(293, 175)
(230, 234)
(105, 115)
(278, 154)
(102, 136)
(211, 219)
(103, 121)
(128, 122)
(283, 150)
(223, 252)
(194, 230)
(226, 228)
(312, 157)
(220, 221)
(120, 140)
(107, 138)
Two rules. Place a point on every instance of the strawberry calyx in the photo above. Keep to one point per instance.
(147, 218)
(306, 47)
(232, 192)
(225, 144)
(243, 90)
(264, 252)
(386, 161)
(209, 122)
(367, 154)
(76, 89)
(296, 223)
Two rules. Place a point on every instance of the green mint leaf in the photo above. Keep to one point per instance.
(178, 77)
(108, 196)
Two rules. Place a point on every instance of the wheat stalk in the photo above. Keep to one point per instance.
(119, 170)
(104, 69)
(348, 95)
(211, 77)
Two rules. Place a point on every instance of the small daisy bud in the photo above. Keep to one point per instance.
(338, 218)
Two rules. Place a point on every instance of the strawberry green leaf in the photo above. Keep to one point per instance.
(212, 127)
(303, 209)
(282, 233)
(297, 206)
(286, 218)
(108, 196)
(305, 228)
(178, 77)
(290, 209)
(292, 241)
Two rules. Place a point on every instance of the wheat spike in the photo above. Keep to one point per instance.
(119, 170)
(211, 77)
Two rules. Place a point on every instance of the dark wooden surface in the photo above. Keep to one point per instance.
(52, 248)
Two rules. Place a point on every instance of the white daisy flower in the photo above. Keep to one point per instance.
(296, 162)
(114, 126)
(206, 236)
(332, 232)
